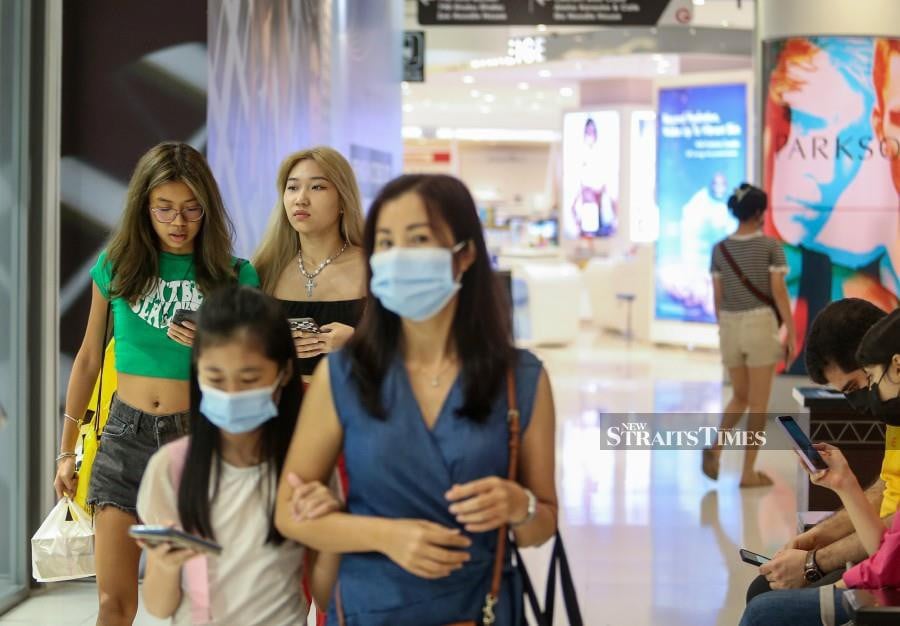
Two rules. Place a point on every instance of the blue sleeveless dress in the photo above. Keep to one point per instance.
(398, 468)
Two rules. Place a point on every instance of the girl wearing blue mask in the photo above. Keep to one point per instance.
(220, 482)
(417, 402)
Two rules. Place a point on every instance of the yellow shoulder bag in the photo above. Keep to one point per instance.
(94, 422)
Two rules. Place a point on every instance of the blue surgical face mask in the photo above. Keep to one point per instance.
(414, 283)
(241, 411)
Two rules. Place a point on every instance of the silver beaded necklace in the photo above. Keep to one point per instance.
(311, 277)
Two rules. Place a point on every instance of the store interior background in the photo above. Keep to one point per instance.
(645, 531)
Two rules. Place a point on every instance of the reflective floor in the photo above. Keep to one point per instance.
(650, 539)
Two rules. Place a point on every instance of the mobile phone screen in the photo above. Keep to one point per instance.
(803, 442)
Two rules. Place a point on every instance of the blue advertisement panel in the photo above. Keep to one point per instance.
(701, 158)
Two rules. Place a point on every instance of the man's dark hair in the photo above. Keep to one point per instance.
(836, 334)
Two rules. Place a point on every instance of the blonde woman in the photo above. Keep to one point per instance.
(311, 258)
(172, 248)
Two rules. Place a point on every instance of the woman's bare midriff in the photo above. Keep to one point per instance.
(158, 396)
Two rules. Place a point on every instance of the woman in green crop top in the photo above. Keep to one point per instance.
(173, 246)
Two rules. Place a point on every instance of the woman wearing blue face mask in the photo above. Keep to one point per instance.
(418, 403)
(220, 482)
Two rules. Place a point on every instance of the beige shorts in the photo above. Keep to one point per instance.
(749, 338)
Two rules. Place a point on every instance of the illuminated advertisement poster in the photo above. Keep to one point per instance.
(590, 203)
(701, 158)
(830, 141)
(644, 214)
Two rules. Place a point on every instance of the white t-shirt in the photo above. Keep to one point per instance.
(251, 582)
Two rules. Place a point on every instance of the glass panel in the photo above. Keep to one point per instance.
(12, 302)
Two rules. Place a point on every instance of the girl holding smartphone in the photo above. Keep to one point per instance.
(172, 247)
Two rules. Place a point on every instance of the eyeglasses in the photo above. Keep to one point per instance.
(167, 215)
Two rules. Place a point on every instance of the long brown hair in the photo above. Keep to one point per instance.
(134, 250)
(280, 243)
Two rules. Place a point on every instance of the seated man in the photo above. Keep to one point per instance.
(818, 556)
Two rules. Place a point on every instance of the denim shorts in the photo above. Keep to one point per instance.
(127, 442)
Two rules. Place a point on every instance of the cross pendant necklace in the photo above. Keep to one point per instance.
(311, 276)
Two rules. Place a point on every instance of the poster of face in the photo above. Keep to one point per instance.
(701, 158)
(831, 123)
(590, 174)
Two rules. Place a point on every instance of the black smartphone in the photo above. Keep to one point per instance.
(305, 324)
(156, 535)
(753, 558)
(184, 315)
(810, 456)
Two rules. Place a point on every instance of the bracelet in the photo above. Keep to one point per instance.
(71, 419)
(65, 455)
(532, 509)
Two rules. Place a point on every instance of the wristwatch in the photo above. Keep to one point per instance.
(811, 571)
(532, 508)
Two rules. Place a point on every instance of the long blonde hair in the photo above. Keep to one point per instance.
(279, 245)
(133, 253)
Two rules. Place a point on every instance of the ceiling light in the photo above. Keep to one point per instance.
(542, 28)
(411, 132)
(489, 97)
(468, 79)
(699, 3)
(407, 108)
(475, 93)
(545, 73)
(566, 92)
(444, 133)
(725, 23)
(523, 86)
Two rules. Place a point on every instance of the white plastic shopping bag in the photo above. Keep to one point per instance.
(63, 547)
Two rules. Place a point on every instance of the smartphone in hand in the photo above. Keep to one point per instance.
(753, 558)
(305, 324)
(184, 315)
(808, 454)
(154, 535)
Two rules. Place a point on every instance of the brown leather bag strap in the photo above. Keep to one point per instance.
(513, 421)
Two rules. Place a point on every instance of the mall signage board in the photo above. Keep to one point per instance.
(553, 12)
(831, 168)
(701, 138)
